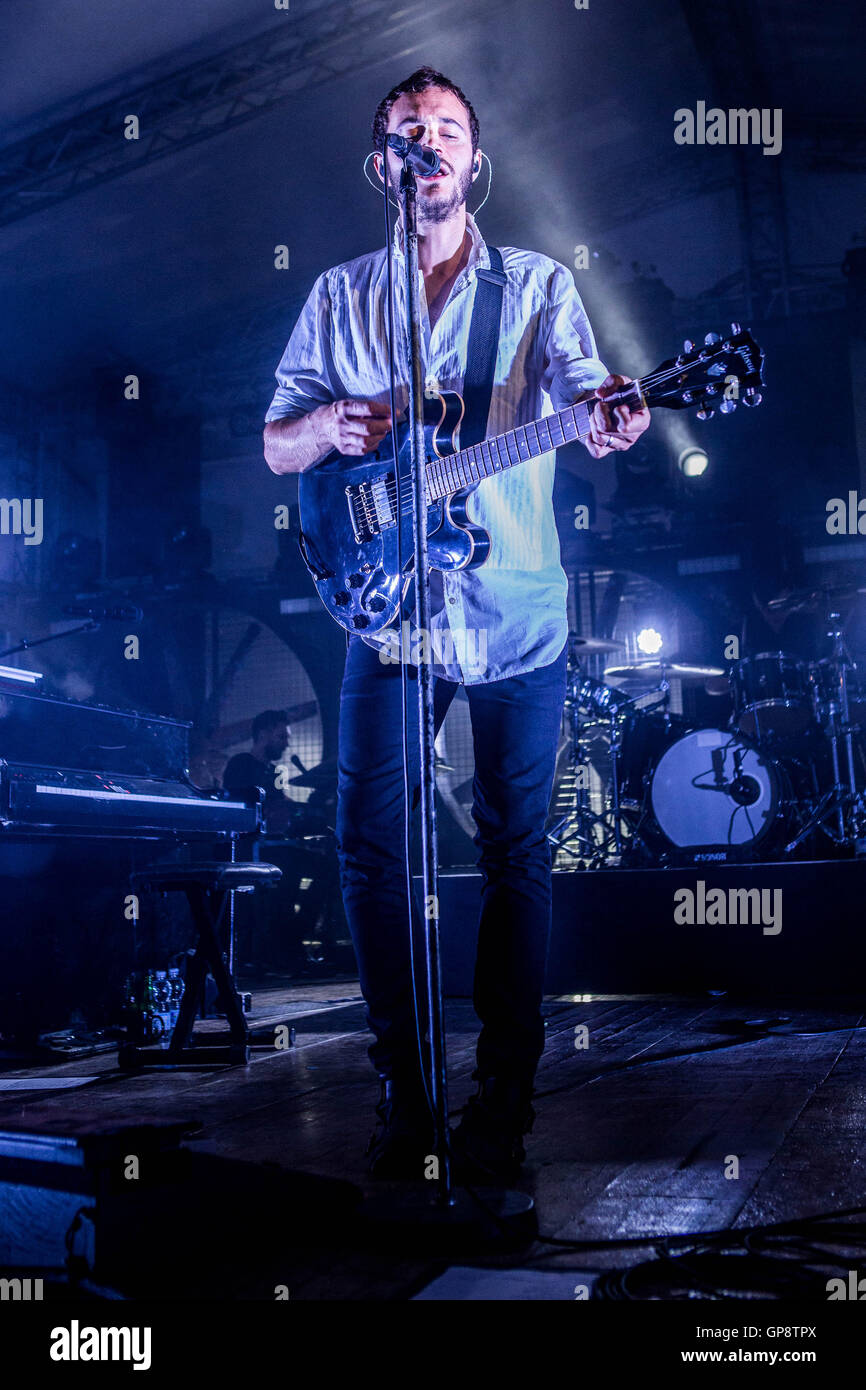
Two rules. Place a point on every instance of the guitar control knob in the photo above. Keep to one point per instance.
(752, 397)
(727, 406)
(376, 604)
(361, 620)
(355, 581)
(705, 413)
(341, 597)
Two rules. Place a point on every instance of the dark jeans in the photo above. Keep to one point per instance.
(515, 728)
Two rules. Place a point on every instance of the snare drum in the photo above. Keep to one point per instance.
(772, 695)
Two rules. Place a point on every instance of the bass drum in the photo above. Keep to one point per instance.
(714, 790)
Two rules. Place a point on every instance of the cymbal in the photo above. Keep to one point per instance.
(654, 671)
(798, 598)
(589, 646)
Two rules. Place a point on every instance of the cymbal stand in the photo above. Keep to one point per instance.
(579, 822)
(615, 745)
(842, 803)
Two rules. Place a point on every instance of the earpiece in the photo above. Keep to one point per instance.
(476, 169)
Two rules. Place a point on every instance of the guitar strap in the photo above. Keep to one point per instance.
(482, 349)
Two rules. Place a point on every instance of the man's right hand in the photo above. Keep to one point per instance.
(353, 427)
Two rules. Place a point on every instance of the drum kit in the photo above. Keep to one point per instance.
(784, 775)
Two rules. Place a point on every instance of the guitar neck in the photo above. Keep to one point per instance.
(452, 472)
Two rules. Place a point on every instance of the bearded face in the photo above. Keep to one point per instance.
(438, 198)
(437, 119)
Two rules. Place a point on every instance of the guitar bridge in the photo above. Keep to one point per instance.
(370, 508)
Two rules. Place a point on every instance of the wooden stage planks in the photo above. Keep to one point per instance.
(632, 1136)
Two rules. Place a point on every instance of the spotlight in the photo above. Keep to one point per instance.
(693, 462)
(649, 641)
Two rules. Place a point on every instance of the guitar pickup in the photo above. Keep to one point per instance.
(371, 507)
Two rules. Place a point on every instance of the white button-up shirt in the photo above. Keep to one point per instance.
(509, 615)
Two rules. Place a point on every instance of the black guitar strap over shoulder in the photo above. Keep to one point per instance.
(482, 348)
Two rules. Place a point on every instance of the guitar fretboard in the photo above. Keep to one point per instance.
(452, 472)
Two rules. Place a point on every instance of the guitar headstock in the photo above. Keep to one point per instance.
(722, 373)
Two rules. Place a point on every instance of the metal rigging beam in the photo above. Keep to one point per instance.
(203, 99)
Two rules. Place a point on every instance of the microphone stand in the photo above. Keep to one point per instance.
(429, 846)
(24, 646)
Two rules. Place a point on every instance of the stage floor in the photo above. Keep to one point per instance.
(634, 1134)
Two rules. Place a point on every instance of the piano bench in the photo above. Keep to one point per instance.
(207, 887)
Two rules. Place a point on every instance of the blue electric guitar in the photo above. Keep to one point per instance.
(349, 506)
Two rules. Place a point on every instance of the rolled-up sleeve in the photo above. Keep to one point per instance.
(570, 362)
(306, 376)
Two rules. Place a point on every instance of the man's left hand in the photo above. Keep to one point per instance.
(614, 428)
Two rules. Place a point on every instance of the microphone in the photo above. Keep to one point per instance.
(418, 157)
(744, 789)
(120, 613)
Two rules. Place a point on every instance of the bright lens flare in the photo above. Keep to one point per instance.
(693, 462)
(649, 641)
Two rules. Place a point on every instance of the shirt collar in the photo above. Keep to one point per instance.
(478, 253)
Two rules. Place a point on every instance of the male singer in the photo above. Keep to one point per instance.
(333, 394)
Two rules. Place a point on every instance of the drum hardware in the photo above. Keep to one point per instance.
(598, 837)
(843, 804)
(605, 700)
(592, 705)
(791, 763)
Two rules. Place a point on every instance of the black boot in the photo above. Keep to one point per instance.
(404, 1135)
(487, 1145)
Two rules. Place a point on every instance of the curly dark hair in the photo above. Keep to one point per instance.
(420, 81)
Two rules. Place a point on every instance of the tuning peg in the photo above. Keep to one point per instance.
(752, 396)
(705, 413)
(710, 339)
(688, 345)
(727, 406)
(735, 329)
